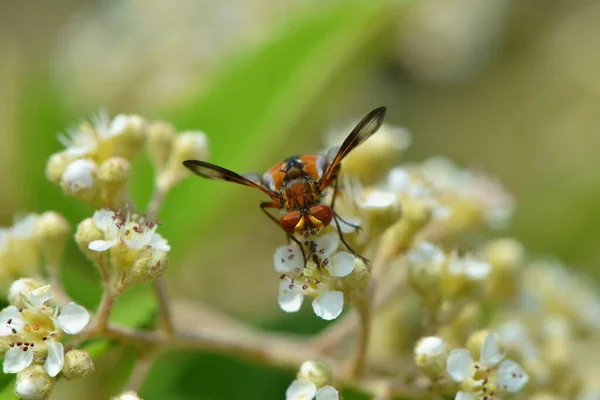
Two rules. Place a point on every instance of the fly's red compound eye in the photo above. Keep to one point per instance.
(290, 220)
(322, 213)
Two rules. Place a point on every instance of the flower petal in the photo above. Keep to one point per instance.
(511, 377)
(490, 350)
(160, 243)
(327, 393)
(16, 360)
(342, 264)
(301, 389)
(326, 244)
(12, 314)
(73, 318)
(290, 300)
(103, 219)
(329, 305)
(458, 364)
(55, 359)
(288, 259)
(37, 297)
(464, 396)
(101, 245)
(117, 125)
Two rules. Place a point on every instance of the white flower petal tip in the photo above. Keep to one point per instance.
(490, 350)
(342, 264)
(73, 318)
(288, 259)
(511, 377)
(458, 364)
(329, 305)
(290, 297)
(55, 360)
(101, 245)
(328, 393)
(16, 360)
(301, 389)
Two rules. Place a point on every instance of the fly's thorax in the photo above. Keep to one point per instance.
(300, 194)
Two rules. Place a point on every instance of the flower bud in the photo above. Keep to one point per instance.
(150, 265)
(79, 179)
(114, 174)
(505, 257)
(20, 288)
(380, 209)
(161, 135)
(317, 372)
(86, 233)
(425, 271)
(187, 146)
(132, 130)
(53, 232)
(431, 354)
(400, 236)
(129, 395)
(78, 364)
(57, 164)
(33, 383)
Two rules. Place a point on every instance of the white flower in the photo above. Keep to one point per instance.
(490, 376)
(302, 389)
(317, 281)
(131, 231)
(402, 182)
(88, 136)
(38, 327)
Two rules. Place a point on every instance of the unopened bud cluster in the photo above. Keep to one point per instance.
(95, 165)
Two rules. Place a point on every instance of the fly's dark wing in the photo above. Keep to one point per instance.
(211, 171)
(365, 128)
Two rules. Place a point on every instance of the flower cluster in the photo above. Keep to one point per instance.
(32, 329)
(320, 277)
(489, 378)
(95, 165)
(137, 253)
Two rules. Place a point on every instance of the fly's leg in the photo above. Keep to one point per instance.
(337, 219)
(275, 204)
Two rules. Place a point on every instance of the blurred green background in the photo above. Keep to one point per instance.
(511, 87)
